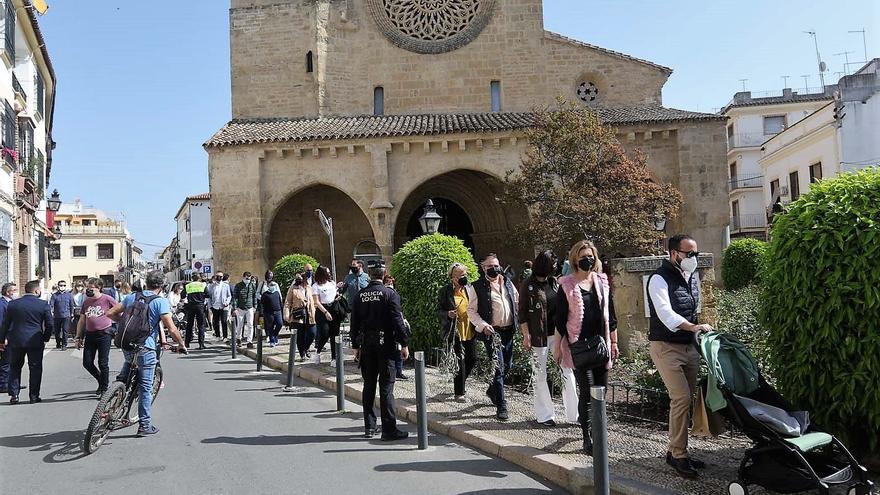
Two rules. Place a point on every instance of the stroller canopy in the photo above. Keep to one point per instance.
(731, 365)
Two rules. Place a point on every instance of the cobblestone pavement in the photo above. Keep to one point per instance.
(637, 451)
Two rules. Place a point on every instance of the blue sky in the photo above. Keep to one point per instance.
(143, 84)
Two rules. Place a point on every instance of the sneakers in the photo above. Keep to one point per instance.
(549, 423)
(490, 393)
(401, 376)
(502, 414)
(317, 358)
(149, 430)
(332, 363)
(682, 466)
(460, 398)
(370, 432)
(396, 435)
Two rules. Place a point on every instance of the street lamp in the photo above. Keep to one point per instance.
(659, 221)
(430, 220)
(57, 231)
(54, 202)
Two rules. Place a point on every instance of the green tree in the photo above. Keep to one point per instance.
(420, 268)
(288, 266)
(822, 305)
(579, 183)
(742, 262)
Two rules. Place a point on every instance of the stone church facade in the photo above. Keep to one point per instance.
(367, 108)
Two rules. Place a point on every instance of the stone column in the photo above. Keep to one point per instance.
(381, 208)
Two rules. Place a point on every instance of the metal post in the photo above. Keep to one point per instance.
(421, 400)
(234, 340)
(260, 345)
(600, 441)
(332, 249)
(340, 375)
(290, 356)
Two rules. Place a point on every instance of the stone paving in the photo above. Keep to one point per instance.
(637, 451)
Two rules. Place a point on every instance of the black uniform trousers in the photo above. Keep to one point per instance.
(195, 312)
(220, 321)
(376, 365)
(35, 369)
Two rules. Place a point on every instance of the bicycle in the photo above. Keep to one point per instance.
(115, 409)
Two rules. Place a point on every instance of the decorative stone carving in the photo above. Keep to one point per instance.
(431, 26)
(651, 263)
(588, 92)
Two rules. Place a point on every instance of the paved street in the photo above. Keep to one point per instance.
(227, 429)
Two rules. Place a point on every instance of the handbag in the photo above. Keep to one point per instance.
(589, 353)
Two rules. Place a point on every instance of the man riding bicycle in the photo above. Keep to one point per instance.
(147, 355)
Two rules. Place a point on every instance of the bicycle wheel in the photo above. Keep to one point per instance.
(104, 416)
(132, 412)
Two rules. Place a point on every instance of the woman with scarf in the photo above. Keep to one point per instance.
(584, 310)
(272, 311)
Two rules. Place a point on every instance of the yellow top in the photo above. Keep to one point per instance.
(462, 324)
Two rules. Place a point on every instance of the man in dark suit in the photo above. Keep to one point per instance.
(26, 329)
(7, 293)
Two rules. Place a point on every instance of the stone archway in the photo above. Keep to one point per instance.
(467, 201)
(295, 227)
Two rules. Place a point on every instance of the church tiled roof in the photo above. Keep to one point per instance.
(253, 131)
(558, 37)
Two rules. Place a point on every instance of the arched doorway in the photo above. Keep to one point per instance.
(467, 201)
(296, 229)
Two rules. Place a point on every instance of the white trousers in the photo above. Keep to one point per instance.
(244, 321)
(544, 410)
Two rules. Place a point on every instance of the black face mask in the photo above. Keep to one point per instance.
(463, 281)
(354, 269)
(493, 272)
(90, 292)
(586, 264)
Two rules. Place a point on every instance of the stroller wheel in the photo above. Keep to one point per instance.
(735, 488)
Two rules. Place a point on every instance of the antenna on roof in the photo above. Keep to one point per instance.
(846, 61)
(822, 66)
(864, 42)
(743, 81)
(784, 81)
(806, 83)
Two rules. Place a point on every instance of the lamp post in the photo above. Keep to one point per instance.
(57, 232)
(54, 202)
(660, 220)
(430, 219)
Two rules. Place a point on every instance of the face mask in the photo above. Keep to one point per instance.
(689, 264)
(247, 280)
(62, 288)
(354, 269)
(272, 288)
(90, 292)
(493, 272)
(462, 281)
(586, 264)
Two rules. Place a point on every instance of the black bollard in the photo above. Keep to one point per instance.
(260, 347)
(290, 355)
(234, 339)
(340, 375)
(599, 430)
(421, 400)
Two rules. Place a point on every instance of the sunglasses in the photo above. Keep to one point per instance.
(689, 254)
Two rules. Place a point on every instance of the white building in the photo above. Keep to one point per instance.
(27, 100)
(194, 245)
(92, 244)
(840, 136)
(753, 120)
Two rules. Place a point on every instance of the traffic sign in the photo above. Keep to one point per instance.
(206, 269)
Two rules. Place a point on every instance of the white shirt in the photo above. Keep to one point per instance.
(658, 290)
(326, 292)
(473, 305)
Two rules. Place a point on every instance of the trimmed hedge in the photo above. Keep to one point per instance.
(288, 266)
(822, 305)
(742, 262)
(420, 268)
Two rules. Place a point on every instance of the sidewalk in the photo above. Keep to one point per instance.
(637, 452)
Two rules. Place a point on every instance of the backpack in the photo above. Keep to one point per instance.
(134, 327)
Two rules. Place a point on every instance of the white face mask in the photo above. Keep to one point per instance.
(689, 264)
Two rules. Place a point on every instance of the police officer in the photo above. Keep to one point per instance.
(196, 293)
(377, 332)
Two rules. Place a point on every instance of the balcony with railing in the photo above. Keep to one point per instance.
(746, 140)
(748, 222)
(746, 182)
(93, 229)
(20, 95)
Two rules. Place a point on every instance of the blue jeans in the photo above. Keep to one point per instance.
(503, 356)
(273, 323)
(146, 363)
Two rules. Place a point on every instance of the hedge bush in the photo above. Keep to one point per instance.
(288, 266)
(738, 314)
(822, 305)
(742, 262)
(420, 268)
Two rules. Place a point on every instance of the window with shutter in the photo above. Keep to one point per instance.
(40, 91)
(8, 129)
(9, 29)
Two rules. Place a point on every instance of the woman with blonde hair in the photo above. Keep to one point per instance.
(586, 321)
(299, 313)
(452, 307)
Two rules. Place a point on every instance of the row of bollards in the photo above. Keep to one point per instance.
(599, 430)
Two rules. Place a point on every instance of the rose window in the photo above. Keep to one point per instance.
(588, 92)
(431, 26)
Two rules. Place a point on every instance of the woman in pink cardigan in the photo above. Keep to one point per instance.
(585, 309)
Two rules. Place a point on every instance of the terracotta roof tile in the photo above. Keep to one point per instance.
(254, 131)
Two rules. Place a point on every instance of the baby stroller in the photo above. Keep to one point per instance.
(788, 455)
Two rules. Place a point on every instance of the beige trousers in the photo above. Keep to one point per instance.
(678, 365)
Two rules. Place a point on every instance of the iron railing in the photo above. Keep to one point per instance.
(748, 221)
(739, 182)
(16, 86)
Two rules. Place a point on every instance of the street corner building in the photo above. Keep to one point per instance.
(366, 109)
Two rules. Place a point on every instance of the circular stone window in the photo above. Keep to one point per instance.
(588, 92)
(431, 26)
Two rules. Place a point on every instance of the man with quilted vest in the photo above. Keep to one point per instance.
(674, 304)
(492, 309)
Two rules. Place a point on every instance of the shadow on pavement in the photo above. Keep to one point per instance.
(283, 439)
(297, 412)
(509, 491)
(251, 378)
(486, 468)
(63, 446)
